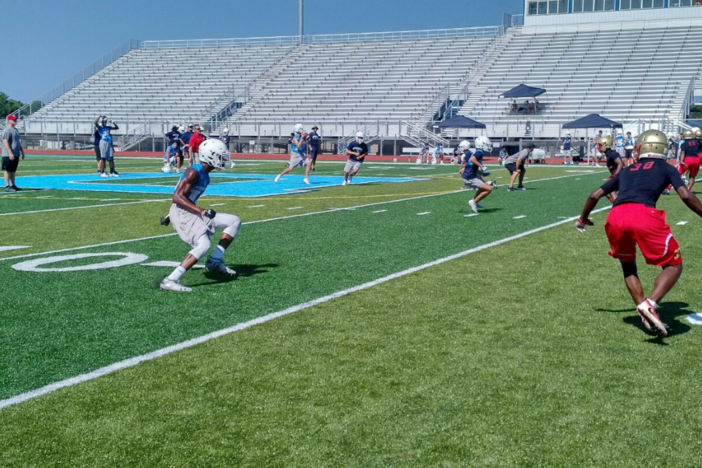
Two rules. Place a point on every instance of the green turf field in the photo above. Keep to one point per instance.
(524, 350)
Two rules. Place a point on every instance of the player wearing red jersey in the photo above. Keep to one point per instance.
(690, 156)
(634, 220)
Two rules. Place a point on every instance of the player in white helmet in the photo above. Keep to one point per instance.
(356, 151)
(194, 224)
(297, 153)
(566, 149)
(473, 170)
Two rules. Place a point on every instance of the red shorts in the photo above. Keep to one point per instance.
(633, 224)
(693, 165)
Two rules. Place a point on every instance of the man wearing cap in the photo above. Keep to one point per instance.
(185, 138)
(195, 141)
(12, 150)
(566, 145)
(515, 164)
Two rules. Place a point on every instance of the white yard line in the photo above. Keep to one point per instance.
(519, 217)
(295, 208)
(280, 218)
(379, 211)
(127, 363)
(81, 207)
(681, 223)
(218, 204)
(424, 213)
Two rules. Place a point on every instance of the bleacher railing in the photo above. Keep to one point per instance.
(325, 38)
(60, 89)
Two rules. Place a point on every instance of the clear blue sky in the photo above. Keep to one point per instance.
(46, 41)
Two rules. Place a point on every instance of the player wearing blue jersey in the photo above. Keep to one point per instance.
(194, 224)
(297, 158)
(313, 142)
(566, 148)
(356, 151)
(107, 153)
(628, 149)
(423, 154)
(185, 138)
(473, 170)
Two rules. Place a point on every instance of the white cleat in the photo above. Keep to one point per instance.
(277, 178)
(170, 285)
(102, 174)
(217, 266)
(343, 183)
(307, 181)
(473, 206)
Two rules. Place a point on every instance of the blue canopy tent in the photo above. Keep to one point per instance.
(592, 121)
(521, 91)
(460, 121)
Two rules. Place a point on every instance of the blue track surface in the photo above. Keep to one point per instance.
(224, 185)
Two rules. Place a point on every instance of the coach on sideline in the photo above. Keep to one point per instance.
(195, 142)
(12, 149)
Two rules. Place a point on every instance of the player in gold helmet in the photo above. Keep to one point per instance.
(634, 220)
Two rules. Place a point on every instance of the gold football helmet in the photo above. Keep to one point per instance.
(652, 144)
(606, 142)
(696, 132)
(687, 134)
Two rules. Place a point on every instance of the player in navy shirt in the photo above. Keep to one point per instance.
(185, 138)
(634, 220)
(472, 170)
(313, 142)
(174, 137)
(689, 156)
(356, 151)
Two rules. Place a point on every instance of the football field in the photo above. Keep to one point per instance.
(378, 324)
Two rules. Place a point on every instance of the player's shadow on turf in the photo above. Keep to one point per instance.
(242, 271)
(669, 313)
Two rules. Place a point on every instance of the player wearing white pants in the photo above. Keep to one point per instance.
(195, 225)
(356, 151)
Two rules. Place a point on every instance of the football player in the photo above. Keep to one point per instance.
(628, 149)
(107, 152)
(566, 146)
(194, 224)
(314, 141)
(356, 151)
(634, 220)
(297, 158)
(473, 170)
(613, 161)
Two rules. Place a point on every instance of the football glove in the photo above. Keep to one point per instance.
(165, 220)
(580, 224)
(486, 174)
(209, 213)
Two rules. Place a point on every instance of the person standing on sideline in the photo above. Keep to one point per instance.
(438, 155)
(96, 148)
(634, 220)
(107, 152)
(628, 149)
(356, 151)
(567, 146)
(516, 165)
(619, 144)
(195, 225)
(423, 153)
(12, 151)
(185, 138)
(195, 141)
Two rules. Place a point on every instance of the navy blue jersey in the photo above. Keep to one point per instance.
(612, 157)
(567, 142)
(315, 139)
(185, 137)
(360, 148)
(472, 169)
(690, 147)
(643, 182)
(173, 136)
(96, 138)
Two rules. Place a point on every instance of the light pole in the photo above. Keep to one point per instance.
(302, 21)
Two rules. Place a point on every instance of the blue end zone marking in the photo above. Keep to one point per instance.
(262, 185)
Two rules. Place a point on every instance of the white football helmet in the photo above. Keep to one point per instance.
(359, 137)
(299, 128)
(483, 143)
(181, 129)
(464, 145)
(225, 131)
(166, 169)
(214, 153)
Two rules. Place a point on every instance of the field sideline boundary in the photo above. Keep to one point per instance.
(131, 362)
(281, 218)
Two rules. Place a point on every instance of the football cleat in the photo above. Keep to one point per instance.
(343, 183)
(473, 206)
(650, 318)
(217, 266)
(307, 181)
(114, 174)
(102, 174)
(170, 285)
(521, 188)
(277, 178)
